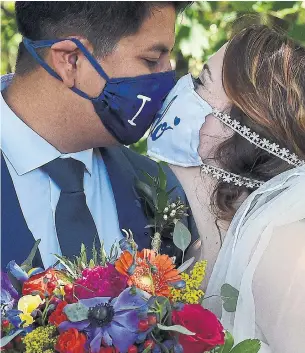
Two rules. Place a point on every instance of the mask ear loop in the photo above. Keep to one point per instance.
(32, 45)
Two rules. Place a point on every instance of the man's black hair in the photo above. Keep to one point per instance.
(103, 23)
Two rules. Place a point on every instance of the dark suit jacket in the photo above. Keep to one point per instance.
(123, 166)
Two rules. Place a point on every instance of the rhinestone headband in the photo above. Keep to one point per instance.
(229, 177)
(254, 138)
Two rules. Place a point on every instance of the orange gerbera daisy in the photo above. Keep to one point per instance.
(153, 273)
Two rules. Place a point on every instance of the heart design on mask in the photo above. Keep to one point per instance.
(177, 121)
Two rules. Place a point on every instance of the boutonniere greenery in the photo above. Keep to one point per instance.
(164, 213)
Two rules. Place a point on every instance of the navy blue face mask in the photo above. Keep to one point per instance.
(127, 106)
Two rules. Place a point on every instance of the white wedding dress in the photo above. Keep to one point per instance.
(263, 256)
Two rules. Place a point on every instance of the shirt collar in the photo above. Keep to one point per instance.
(23, 147)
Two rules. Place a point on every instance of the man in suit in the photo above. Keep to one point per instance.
(66, 176)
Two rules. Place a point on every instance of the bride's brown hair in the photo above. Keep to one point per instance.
(264, 77)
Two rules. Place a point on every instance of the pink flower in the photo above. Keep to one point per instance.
(100, 282)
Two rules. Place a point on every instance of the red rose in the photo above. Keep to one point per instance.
(208, 330)
(58, 316)
(71, 341)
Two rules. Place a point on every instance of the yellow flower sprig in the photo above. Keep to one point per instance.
(41, 340)
(191, 294)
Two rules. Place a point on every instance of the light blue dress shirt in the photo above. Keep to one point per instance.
(25, 152)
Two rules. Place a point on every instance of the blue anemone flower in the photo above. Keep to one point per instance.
(115, 322)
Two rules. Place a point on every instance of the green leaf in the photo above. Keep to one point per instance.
(147, 349)
(114, 253)
(103, 255)
(229, 295)
(6, 339)
(144, 189)
(162, 178)
(76, 312)
(28, 263)
(149, 178)
(94, 259)
(67, 264)
(229, 343)
(182, 236)
(186, 265)
(162, 200)
(83, 254)
(176, 328)
(161, 304)
(247, 346)
(140, 146)
(146, 192)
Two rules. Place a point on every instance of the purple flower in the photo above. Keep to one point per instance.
(113, 321)
(9, 295)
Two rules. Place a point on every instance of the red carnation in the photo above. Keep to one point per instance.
(100, 282)
(208, 330)
(58, 316)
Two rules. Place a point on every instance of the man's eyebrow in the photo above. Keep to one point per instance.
(160, 48)
(207, 69)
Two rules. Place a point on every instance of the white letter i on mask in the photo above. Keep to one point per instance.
(144, 100)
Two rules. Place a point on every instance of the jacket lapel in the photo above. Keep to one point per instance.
(16, 240)
(130, 213)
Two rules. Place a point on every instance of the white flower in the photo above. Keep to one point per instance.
(172, 214)
(238, 182)
(274, 147)
(227, 178)
(245, 130)
(165, 210)
(265, 143)
(165, 217)
(294, 157)
(205, 168)
(216, 112)
(254, 136)
(173, 205)
(217, 175)
(284, 152)
(225, 118)
(235, 124)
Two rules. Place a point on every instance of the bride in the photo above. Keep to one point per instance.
(235, 138)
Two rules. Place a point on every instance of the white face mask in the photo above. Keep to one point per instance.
(174, 136)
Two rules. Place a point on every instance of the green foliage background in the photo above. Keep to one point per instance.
(202, 29)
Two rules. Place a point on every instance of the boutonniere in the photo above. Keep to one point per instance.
(164, 213)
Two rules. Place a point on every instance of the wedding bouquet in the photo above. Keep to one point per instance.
(127, 301)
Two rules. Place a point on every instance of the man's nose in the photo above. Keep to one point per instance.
(166, 65)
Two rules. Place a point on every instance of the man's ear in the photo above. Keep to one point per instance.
(65, 57)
